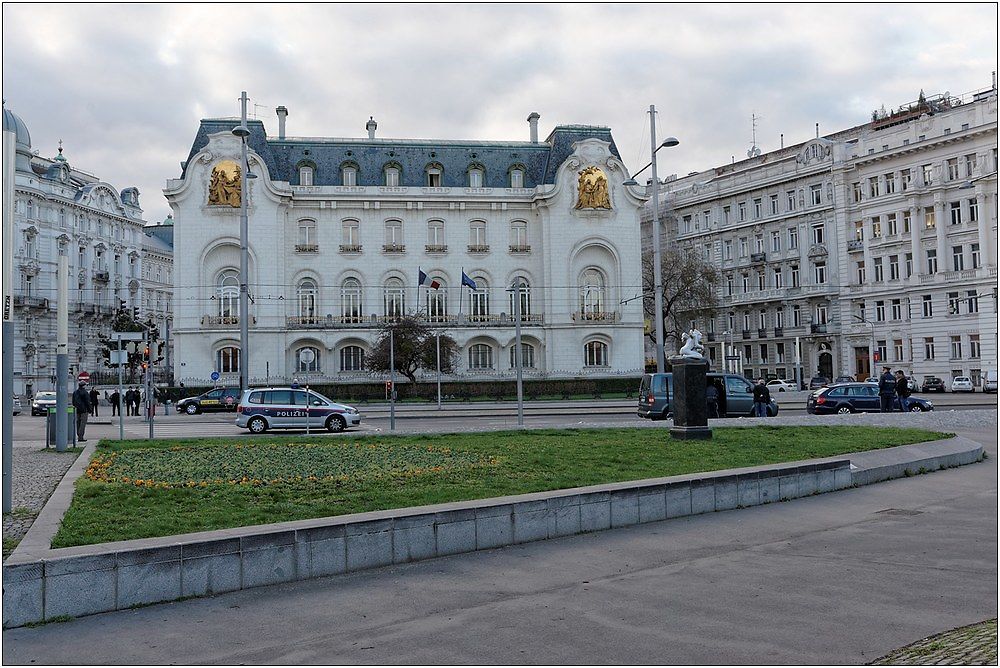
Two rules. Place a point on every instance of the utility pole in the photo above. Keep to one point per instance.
(517, 351)
(243, 132)
(9, 144)
(438, 342)
(62, 353)
(657, 271)
(392, 377)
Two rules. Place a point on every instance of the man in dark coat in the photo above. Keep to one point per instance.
(887, 390)
(902, 391)
(761, 399)
(115, 401)
(95, 398)
(81, 403)
(712, 400)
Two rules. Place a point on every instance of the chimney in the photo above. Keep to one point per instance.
(282, 112)
(533, 124)
(371, 126)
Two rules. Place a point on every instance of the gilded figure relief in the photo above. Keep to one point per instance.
(224, 188)
(593, 189)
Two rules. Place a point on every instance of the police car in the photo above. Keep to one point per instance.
(266, 408)
(219, 399)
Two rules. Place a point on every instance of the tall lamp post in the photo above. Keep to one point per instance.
(242, 131)
(657, 273)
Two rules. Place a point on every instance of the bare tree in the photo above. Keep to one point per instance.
(415, 348)
(690, 291)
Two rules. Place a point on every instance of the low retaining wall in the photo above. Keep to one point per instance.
(113, 576)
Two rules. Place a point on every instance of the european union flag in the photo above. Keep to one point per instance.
(468, 281)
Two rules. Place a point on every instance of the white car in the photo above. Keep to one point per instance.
(990, 382)
(779, 385)
(17, 406)
(962, 384)
(42, 402)
(266, 408)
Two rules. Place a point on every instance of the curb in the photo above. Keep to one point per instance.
(41, 583)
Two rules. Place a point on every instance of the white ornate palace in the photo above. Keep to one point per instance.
(340, 229)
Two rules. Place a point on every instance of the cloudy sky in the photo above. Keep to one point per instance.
(124, 86)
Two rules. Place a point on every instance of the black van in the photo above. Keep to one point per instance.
(735, 395)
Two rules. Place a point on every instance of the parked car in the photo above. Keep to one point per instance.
(845, 379)
(856, 398)
(17, 406)
(818, 382)
(911, 383)
(962, 384)
(219, 399)
(990, 382)
(735, 395)
(290, 408)
(932, 384)
(781, 385)
(42, 401)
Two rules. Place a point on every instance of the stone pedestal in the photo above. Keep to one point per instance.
(688, 401)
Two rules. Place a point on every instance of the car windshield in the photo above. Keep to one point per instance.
(45, 395)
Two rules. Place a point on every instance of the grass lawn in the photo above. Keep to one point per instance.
(141, 489)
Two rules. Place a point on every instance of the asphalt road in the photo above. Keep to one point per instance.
(452, 417)
(831, 579)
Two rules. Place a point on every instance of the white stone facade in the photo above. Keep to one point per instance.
(890, 198)
(333, 255)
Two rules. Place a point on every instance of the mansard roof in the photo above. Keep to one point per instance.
(283, 157)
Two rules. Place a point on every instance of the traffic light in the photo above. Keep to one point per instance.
(135, 313)
(121, 305)
(145, 358)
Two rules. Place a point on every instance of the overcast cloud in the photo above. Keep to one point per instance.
(124, 86)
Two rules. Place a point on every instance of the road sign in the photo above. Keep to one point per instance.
(119, 357)
(83, 377)
(215, 376)
(128, 336)
(307, 355)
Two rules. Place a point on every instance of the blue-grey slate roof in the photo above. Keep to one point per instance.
(284, 156)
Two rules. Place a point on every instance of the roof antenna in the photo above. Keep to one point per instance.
(754, 151)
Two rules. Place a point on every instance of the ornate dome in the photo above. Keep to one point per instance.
(13, 123)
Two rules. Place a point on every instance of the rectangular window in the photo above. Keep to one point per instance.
(859, 231)
(857, 191)
(953, 169)
(816, 194)
(793, 238)
(707, 217)
(727, 249)
(890, 184)
(757, 208)
(929, 347)
(880, 347)
(746, 283)
(973, 210)
(930, 218)
(776, 241)
(729, 286)
(742, 206)
(727, 212)
(821, 314)
(928, 306)
(790, 200)
(880, 311)
(957, 258)
(762, 319)
(905, 179)
(890, 223)
(877, 264)
(687, 224)
(860, 272)
(774, 205)
(820, 273)
(819, 233)
(759, 243)
(897, 350)
(777, 278)
(893, 267)
(954, 304)
(516, 178)
(932, 261)
(956, 347)
(972, 301)
(352, 233)
(873, 190)
(906, 222)
(927, 173)
(795, 275)
(763, 353)
(779, 319)
(744, 247)
(970, 164)
(974, 350)
(909, 264)
(897, 309)
(955, 209)
(761, 281)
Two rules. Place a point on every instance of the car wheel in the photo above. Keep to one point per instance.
(915, 408)
(336, 423)
(257, 425)
(191, 409)
(844, 410)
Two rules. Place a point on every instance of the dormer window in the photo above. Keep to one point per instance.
(392, 177)
(349, 175)
(475, 177)
(434, 176)
(305, 175)
(516, 178)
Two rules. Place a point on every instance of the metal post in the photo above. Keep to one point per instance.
(517, 351)
(871, 355)
(150, 402)
(798, 363)
(62, 353)
(439, 367)
(9, 144)
(121, 420)
(392, 377)
(657, 272)
(308, 403)
(244, 255)
(166, 344)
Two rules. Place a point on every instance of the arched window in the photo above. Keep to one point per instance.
(307, 235)
(477, 235)
(227, 360)
(307, 360)
(306, 295)
(518, 236)
(527, 356)
(595, 353)
(350, 300)
(349, 174)
(437, 300)
(394, 299)
(480, 301)
(593, 292)
(525, 300)
(481, 356)
(392, 175)
(228, 294)
(394, 233)
(516, 177)
(435, 174)
(352, 358)
(435, 234)
(305, 175)
(476, 175)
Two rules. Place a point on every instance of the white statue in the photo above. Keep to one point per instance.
(692, 348)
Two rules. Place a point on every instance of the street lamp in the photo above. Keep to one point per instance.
(242, 131)
(657, 274)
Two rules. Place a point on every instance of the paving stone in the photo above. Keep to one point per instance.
(974, 645)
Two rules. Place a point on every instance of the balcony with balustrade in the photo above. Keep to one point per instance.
(350, 249)
(223, 321)
(596, 316)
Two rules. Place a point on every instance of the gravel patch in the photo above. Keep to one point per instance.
(36, 472)
(974, 645)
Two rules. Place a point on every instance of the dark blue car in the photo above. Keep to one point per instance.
(858, 398)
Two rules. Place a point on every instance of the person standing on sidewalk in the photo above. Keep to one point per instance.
(761, 399)
(887, 390)
(81, 403)
(115, 401)
(95, 398)
(902, 391)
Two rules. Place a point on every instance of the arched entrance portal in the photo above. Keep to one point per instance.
(825, 362)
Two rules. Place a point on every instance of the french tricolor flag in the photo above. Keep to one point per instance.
(422, 278)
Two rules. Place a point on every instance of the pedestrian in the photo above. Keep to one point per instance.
(761, 399)
(712, 400)
(81, 404)
(887, 390)
(95, 399)
(902, 391)
(136, 398)
(130, 401)
(115, 401)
